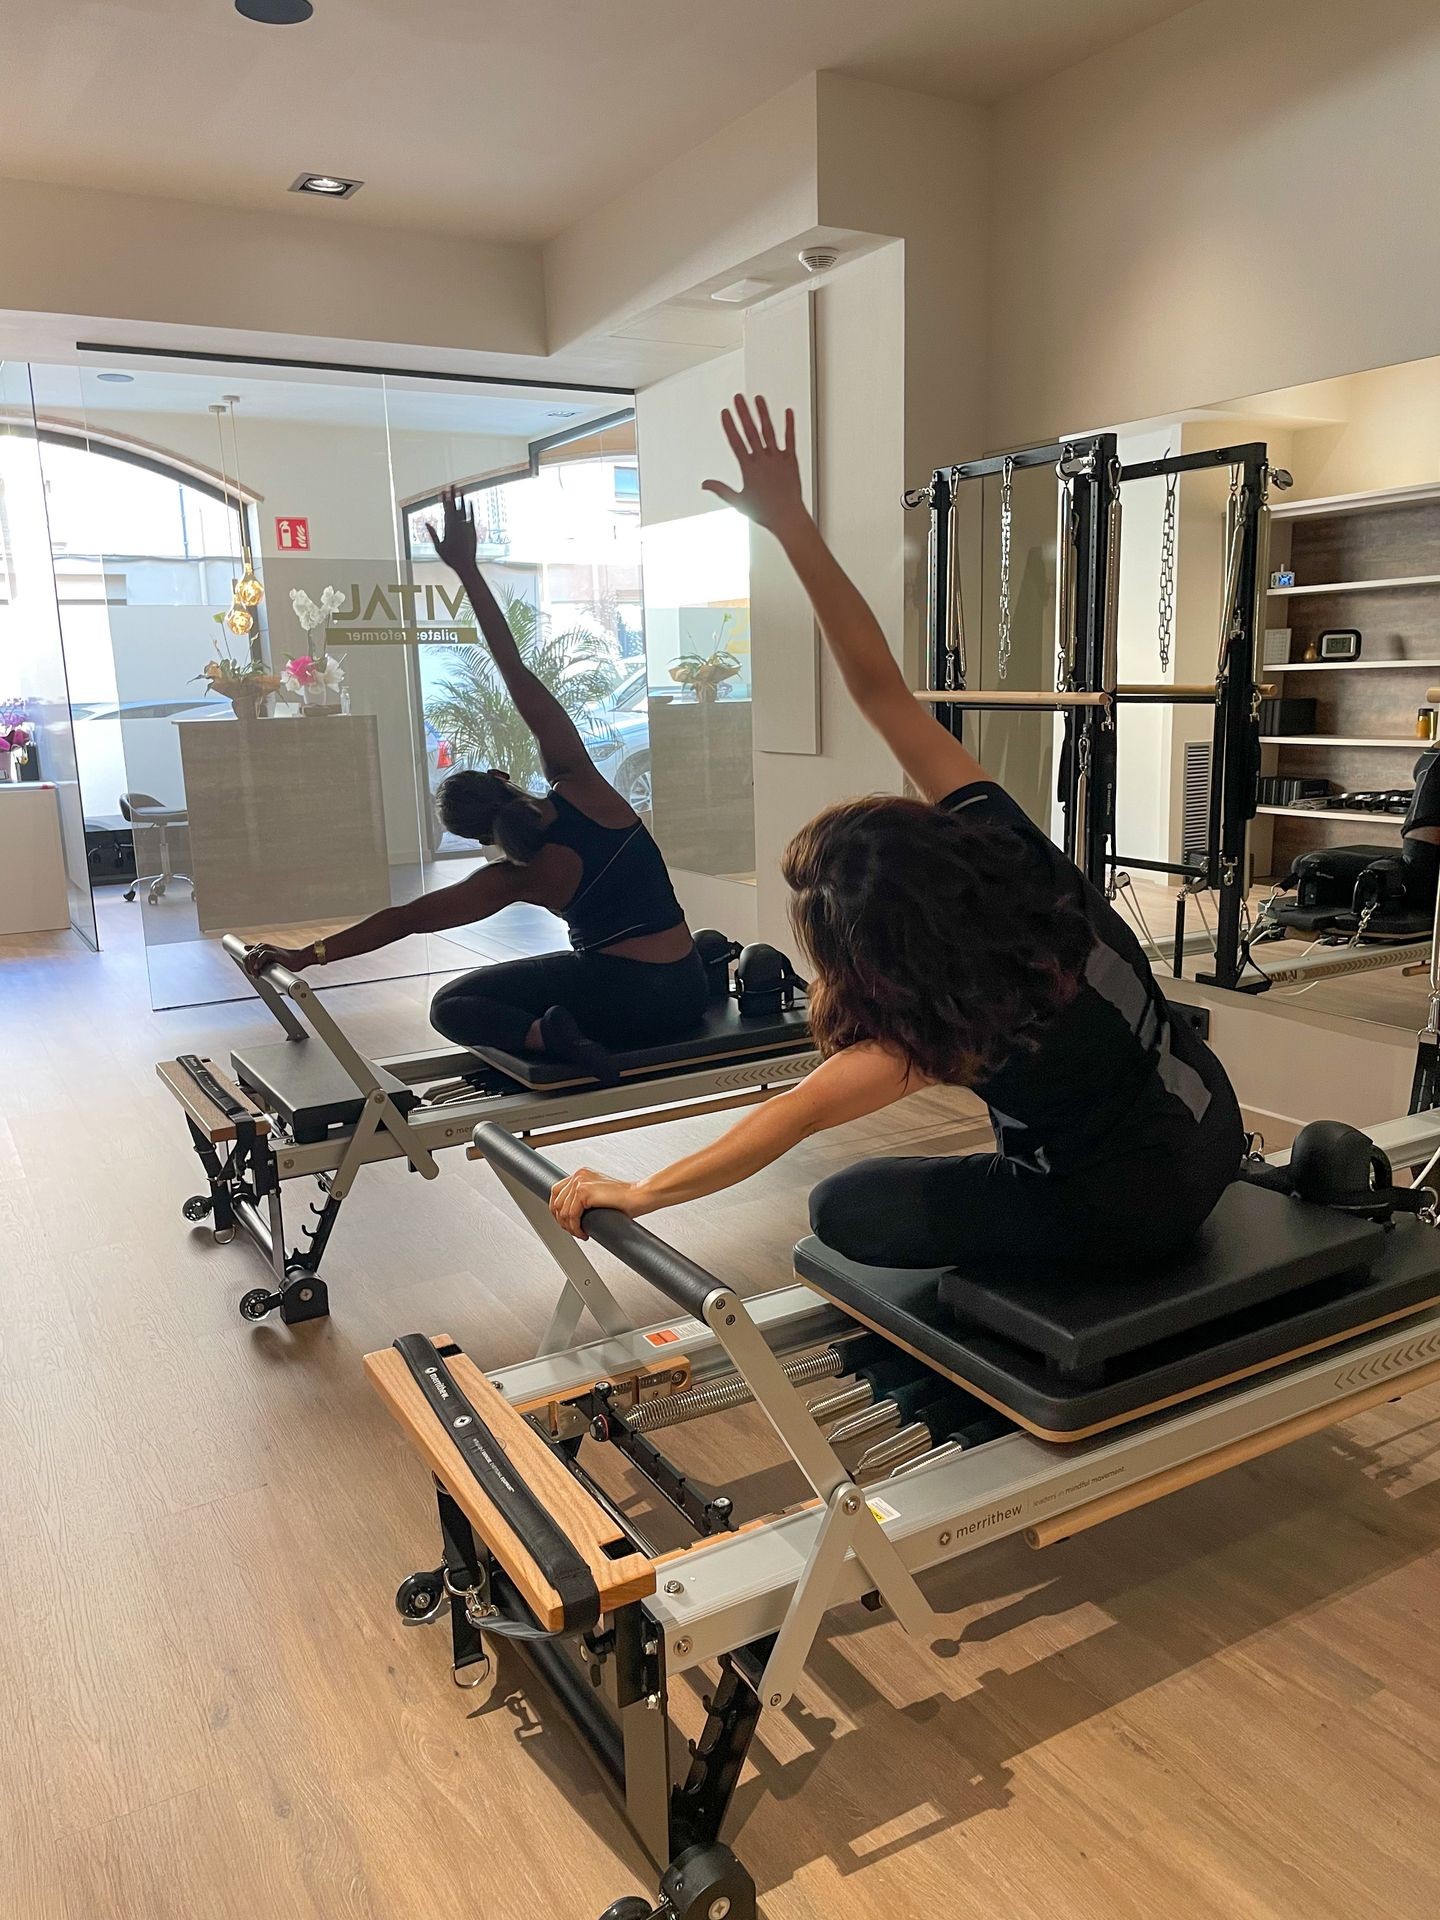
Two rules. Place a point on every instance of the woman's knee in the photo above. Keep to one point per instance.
(848, 1211)
(445, 1006)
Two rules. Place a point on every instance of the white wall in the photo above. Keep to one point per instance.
(1234, 201)
(78, 250)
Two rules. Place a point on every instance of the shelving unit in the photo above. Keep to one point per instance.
(1369, 561)
(1415, 743)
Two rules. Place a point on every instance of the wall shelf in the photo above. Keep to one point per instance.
(1335, 813)
(1336, 504)
(1415, 743)
(1359, 586)
(1351, 666)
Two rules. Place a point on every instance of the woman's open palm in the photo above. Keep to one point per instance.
(769, 491)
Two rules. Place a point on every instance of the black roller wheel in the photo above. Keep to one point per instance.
(198, 1207)
(421, 1598)
(257, 1303)
(632, 1907)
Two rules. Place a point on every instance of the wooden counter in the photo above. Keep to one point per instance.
(286, 820)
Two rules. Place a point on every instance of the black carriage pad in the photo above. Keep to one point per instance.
(723, 1034)
(1255, 1247)
(1400, 1274)
(306, 1088)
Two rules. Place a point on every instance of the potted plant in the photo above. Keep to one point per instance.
(703, 674)
(15, 737)
(244, 683)
(316, 679)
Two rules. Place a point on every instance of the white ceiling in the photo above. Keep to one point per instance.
(326, 399)
(506, 119)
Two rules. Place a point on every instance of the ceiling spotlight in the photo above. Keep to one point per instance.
(275, 13)
(117, 379)
(330, 186)
(739, 291)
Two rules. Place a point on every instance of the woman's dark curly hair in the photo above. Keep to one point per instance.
(946, 938)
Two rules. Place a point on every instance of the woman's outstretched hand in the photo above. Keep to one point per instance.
(455, 542)
(769, 491)
(575, 1195)
(264, 955)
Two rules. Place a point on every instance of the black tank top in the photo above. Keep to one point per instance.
(624, 889)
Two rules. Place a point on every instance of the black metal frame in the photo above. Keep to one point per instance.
(1087, 773)
(612, 1686)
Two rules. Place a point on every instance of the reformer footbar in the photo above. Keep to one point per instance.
(754, 1599)
(314, 1106)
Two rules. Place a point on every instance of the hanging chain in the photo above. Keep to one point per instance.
(1006, 475)
(1167, 571)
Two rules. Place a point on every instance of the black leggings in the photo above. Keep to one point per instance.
(1143, 1204)
(623, 1004)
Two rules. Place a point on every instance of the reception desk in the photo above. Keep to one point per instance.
(33, 894)
(287, 824)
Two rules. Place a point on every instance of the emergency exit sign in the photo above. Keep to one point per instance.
(292, 536)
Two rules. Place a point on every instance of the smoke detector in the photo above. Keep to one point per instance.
(818, 259)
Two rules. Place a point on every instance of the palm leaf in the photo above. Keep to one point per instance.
(474, 712)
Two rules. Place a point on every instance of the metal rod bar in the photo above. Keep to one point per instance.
(1252, 452)
(1003, 700)
(1177, 964)
(995, 463)
(1154, 866)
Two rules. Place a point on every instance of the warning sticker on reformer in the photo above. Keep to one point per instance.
(665, 1338)
(883, 1510)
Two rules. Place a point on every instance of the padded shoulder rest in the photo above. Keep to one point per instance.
(723, 1034)
(1255, 1247)
(306, 1088)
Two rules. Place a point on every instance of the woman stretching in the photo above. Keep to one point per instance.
(634, 977)
(952, 944)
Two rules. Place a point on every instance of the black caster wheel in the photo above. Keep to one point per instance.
(421, 1598)
(630, 1908)
(258, 1302)
(198, 1207)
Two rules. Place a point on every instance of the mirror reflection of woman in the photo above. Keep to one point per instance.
(632, 977)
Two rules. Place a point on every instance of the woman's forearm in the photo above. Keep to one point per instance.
(851, 631)
(366, 936)
(752, 1143)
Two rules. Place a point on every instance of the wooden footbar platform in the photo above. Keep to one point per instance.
(590, 1531)
(214, 1123)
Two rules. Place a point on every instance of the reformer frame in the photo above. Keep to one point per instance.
(248, 1157)
(1089, 693)
(754, 1600)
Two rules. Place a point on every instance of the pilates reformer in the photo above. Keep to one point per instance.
(313, 1106)
(960, 1408)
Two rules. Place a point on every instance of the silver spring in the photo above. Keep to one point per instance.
(876, 1423)
(723, 1395)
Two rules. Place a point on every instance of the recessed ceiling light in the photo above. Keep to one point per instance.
(330, 186)
(117, 379)
(740, 291)
(275, 13)
(561, 413)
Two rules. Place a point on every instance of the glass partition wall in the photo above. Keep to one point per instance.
(270, 671)
(37, 738)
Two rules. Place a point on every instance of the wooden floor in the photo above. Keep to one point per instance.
(1227, 1705)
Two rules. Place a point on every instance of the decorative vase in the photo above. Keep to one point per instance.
(246, 709)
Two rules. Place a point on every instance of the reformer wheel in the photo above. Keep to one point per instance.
(198, 1207)
(421, 1599)
(257, 1303)
(630, 1908)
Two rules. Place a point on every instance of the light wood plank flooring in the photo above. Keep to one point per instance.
(1225, 1706)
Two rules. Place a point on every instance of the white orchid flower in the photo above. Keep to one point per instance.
(331, 601)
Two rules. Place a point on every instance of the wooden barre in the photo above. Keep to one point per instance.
(1190, 1472)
